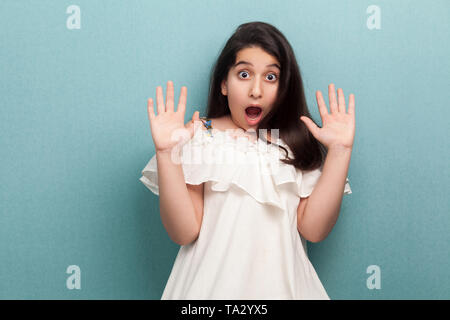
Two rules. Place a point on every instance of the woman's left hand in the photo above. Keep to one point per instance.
(338, 127)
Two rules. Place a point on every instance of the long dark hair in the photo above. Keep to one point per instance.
(290, 103)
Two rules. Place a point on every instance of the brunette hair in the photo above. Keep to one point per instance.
(290, 102)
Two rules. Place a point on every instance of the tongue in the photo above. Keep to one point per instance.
(253, 111)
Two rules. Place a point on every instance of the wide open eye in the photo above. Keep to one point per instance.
(273, 75)
(240, 72)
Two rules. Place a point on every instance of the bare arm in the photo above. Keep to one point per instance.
(181, 207)
(321, 211)
(337, 134)
(180, 215)
(197, 194)
(300, 211)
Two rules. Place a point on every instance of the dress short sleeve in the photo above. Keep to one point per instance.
(218, 159)
(150, 176)
(194, 173)
(192, 157)
(308, 180)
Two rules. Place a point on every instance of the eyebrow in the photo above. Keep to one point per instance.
(245, 62)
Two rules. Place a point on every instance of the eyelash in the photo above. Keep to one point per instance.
(269, 73)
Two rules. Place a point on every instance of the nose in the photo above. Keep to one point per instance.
(256, 90)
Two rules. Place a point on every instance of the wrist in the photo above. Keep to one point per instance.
(164, 152)
(169, 156)
(340, 150)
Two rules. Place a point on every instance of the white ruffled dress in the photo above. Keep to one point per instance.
(249, 246)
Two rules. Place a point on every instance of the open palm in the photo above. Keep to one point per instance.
(338, 127)
(168, 128)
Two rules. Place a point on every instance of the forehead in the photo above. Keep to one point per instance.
(256, 57)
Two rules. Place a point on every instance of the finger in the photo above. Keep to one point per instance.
(150, 110)
(312, 127)
(192, 118)
(160, 100)
(182, 101)
(341, 100)
(170, 97)
(332, 98)
(195, 121)
(193, 124)
(321, 103)
(351, 104)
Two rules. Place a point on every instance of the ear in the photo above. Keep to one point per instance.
(224, 87)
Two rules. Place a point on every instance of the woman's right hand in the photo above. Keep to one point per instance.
(168, 128)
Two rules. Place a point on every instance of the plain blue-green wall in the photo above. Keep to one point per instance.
(75, 136)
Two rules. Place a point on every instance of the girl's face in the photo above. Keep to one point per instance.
(253, 80)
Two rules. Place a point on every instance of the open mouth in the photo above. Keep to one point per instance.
(253, 112)
(253, 115)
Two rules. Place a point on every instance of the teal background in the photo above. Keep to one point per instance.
(75, 136)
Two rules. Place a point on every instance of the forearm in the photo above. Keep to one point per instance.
(324, 203)
(176, 208)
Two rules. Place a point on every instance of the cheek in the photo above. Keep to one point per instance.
(272, 93)
(237, 91)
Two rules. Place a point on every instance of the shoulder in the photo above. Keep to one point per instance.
(221, 123)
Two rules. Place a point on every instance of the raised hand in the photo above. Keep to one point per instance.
(338, 127)
(168, 128)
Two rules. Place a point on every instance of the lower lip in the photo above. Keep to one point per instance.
(254, 121)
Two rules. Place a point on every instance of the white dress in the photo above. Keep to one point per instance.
(249, 246)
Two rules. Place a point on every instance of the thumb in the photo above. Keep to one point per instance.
(312, 127)
(194, 122)
(196, 116)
